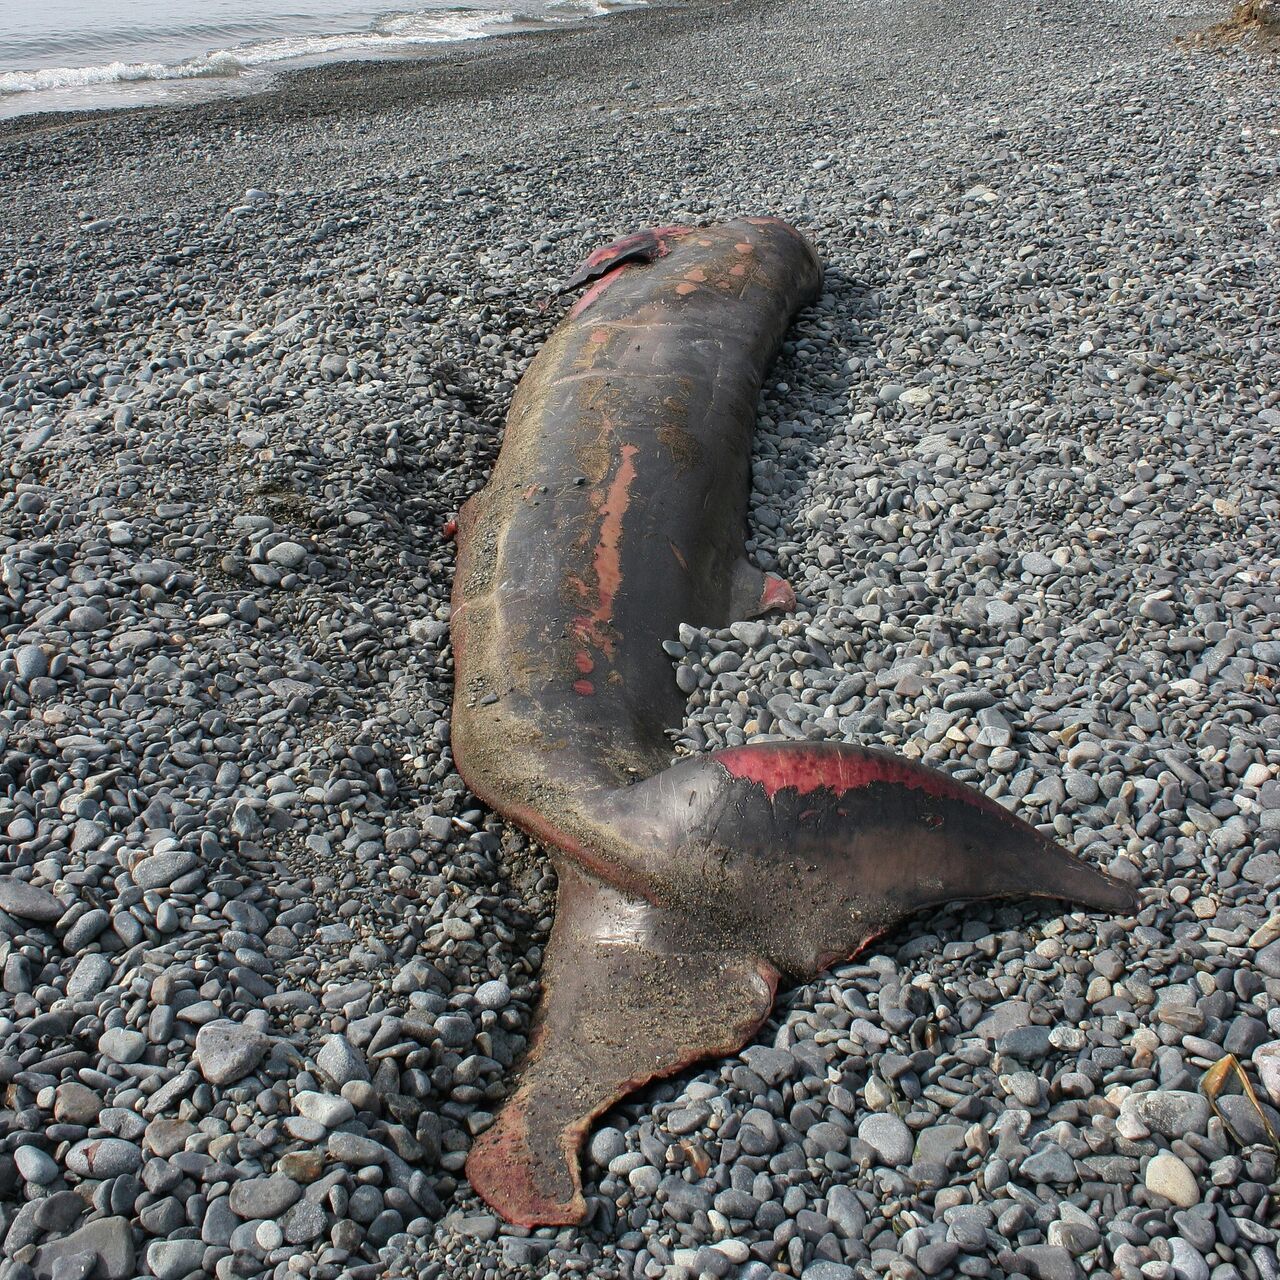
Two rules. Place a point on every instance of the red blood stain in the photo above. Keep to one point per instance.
(584, 687)
(582, 660)
(777, 594)
(596, 290)
(594, 628)
(807, 769)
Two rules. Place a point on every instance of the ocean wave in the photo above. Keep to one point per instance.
(433, 27)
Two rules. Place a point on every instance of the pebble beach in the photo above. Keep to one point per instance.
(265, 964)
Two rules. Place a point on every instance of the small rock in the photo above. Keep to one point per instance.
(1169, 1177)
(289, 555)
(227, 1051)
(340, 1061)
(324, 1108)
(35, 1166)
(121, 1044)
(888, 1137)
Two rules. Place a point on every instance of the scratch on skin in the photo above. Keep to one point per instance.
(594, 630)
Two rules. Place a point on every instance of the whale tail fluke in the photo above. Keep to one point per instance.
(630, 992)
(814, 848)
(768, 859)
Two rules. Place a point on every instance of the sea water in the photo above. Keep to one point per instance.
(74, 54)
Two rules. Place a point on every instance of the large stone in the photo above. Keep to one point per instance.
(107, 1239)
(1169, 1177)
(1046, 1262)
(162, 869)
(936, 1143)
(1172, 1113)
(889, 1138)
(1188, 1263)
(341, 1062)
(104, 1158)
(1002, 1018)
(264, 1197)
(173, 1259)
(303, 1222)
(1051, 1164)
(28, 901)
(227, 1051)
(846, 1211)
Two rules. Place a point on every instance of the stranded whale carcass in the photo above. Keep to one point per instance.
(616, 511)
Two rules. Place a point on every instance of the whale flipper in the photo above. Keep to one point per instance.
(630, 992)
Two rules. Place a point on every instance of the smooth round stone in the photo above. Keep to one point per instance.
(888, 1137)
(121, 1044)
(86, 618)
(104, 1158)
(289, 555)
(324, 1108)
(173, 1259)
(35, 1166)
(227, 1051)
(493, 995)
(606, 1144)
(28, 901)
(305, 1129)
(263, 1197)
(270, 1235)
(31, 662)
(1169, 1177)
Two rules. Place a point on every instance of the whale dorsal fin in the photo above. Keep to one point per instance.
(630, 992)
(640, 246)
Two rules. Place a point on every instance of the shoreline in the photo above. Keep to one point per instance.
(329, 87)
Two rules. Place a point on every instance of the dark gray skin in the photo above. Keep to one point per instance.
(687, 893)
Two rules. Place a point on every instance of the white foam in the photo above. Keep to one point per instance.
(402, 32)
